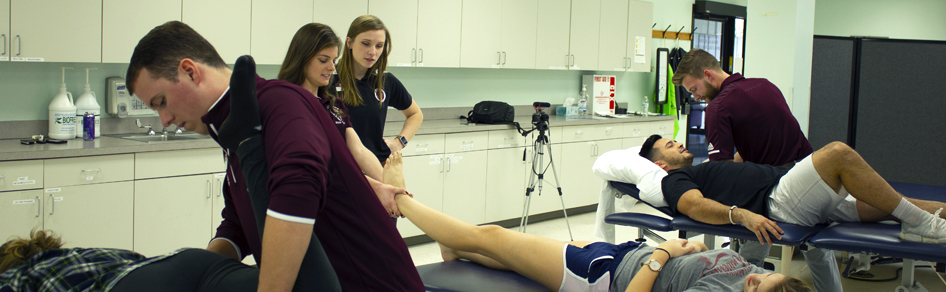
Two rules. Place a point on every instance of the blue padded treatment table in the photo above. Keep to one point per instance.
(465, 276)
(794, 234)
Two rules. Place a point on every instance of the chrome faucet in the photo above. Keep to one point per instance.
(149, 127)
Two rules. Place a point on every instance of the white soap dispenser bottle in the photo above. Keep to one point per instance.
(62, 113)
(87, 103)
(583, 101)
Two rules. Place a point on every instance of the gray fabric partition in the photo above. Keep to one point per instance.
(900, 109)
(832, 62)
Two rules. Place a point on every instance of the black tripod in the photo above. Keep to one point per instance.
(538, 176)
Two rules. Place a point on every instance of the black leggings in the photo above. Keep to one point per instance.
(192, 270)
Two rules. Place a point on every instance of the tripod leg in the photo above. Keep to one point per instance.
(558, 186)
(527, 201)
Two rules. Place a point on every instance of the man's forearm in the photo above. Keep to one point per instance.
(284, 245)
(693, 204)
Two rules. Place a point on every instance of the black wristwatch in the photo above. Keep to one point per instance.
(402, 139)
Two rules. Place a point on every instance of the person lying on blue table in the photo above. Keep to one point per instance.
(814, 191)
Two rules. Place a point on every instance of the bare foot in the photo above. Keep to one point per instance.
(447, 253)
(394, 170)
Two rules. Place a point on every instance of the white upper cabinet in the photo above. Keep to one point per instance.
(5, 30)
(52, 31)
(400, 17)
(583, 45)
(438, 33)
(480, 45)
(498, 34)
(612, 45)
(339, 17)
(124, 23)
(518, 36)
(273, 25)
(639, 40)
(551, 50)
(233, 15)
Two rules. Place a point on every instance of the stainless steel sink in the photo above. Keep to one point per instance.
(161, 138)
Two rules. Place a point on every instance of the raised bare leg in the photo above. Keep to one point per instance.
(535, 257)
(839, 165)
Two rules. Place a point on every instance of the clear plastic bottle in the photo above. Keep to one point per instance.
(583, 102)
(646, 106)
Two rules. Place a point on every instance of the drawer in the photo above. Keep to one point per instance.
(637, 130)
(664, 128)
(423, 145)
(608, 131)
(179, 162)
(21, 175)
(505, 139)
(469, 141)
(88, 170)
(577, 133)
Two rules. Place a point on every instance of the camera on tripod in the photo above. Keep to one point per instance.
(540, 119)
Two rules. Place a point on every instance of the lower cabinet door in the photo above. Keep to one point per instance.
(20, 212)
(172, 213)
(97, 215)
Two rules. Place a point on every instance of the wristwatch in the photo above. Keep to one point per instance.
(653, 264)
(402, 139)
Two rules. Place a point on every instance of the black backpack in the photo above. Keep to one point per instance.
(491, 112)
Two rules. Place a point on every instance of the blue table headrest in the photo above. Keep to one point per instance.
(631, 190)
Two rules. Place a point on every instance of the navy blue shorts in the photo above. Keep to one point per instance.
(590, 268)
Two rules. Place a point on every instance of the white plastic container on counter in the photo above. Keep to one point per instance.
(62, 113)
(87, 103)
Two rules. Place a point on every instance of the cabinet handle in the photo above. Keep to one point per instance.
(220, 183)
(448, 164)
(421, 56)
(499, 58)
(210, 189)
(413, 55)
(4, 44)
(38, 206)
(504, 58)
(573, 61)
(52, 204)
(91, 170)
(442, 164)
(19, 45)
(566, 60)
(628, 66)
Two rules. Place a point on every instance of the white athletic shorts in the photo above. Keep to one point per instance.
(802, 198)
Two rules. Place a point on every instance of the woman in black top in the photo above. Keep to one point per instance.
(368, 90)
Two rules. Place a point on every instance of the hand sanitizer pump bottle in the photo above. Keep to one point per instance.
(62, 113)
(87, 103)
(583, 102)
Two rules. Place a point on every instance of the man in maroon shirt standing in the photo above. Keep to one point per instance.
(747, 119)
(314, 183)
(750, 115)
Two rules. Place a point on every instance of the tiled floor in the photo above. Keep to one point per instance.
(583, 229)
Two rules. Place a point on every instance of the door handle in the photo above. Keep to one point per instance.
(210, 189)
(499, 58)
(448, 164)
(19, 45)
(220, 183)
(573, 61)
(4, 44)
(413, 55)
(504, 58)
(442, 164)
(38, 207)
(421, 56)
(52, 204)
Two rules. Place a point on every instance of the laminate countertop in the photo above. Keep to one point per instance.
(11, 149)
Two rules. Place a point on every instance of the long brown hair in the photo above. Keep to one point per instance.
(792, 284)
(16, 251)
(345, 73)
(309, 40)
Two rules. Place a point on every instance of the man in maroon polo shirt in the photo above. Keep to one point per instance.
(747, 119)
(314, 183)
